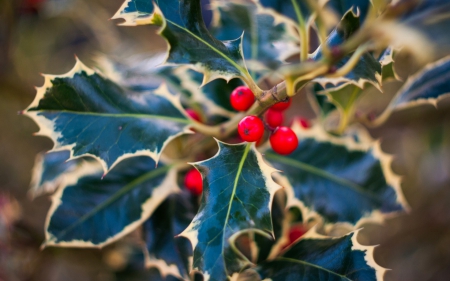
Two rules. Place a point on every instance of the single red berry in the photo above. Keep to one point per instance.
(274, 118)
(242, 98)
(283, 140)
(296, 232)
(251, 128)
(282, 105)
(193, 114)
(194, 182)
(304, 122)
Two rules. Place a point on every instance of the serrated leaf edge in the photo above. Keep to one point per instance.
(198, 95)
(37, 189)
(163, 268)
(278, 19)
(45, 124)
(368, 250)
(168, 186)
(318, 133)
(411, 104)
(271, 185)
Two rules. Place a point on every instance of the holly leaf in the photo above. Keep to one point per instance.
(51, 169)
(189, 40)
(321, 105)
(344, 97)
(316, 257)
(91, 115)
(237, 195)
(366, 70)
(293, 10)
(92, 212)
(265, 40)
(428, 86)
(387, 65)
(169, 220)
(341, 7)
(343, 179)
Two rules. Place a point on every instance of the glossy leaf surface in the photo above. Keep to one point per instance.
(91, 115)
(92, 212)
(50, 169)
(189, 40)
(169, 220)
(237, 195)
(265, 40)
(320, 258)
(338, 178)
(367, 69)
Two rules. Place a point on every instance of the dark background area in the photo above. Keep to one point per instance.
(42, 37)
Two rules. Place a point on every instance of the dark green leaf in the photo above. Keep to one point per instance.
(265, 40)
(92, 212)
(431, 18)
(291, 9)
(169, 220)
(91, 115)
(237, 195)
(428, 86)
(50, 170)
(339, 178)
(342, 6)
(368, 69)
(189, 40)
(321, 103)
(320, 258)
(387, 63)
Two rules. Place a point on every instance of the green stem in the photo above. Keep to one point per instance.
(303, 32)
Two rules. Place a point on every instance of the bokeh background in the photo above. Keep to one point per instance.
(42, 36)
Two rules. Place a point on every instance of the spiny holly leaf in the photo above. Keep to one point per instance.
(344, 98)
(141, 73)
(341, 179)
(91, 115)
(237, 195)
(169, 220)
(368, 69)
(93, 212)
(214, 97)
(387, 65)
(320, 103)
(294, 10)
(144, 73)
(430, 18)
(50, 169)
(189, 40)
(265, 40)
(341, 7)
(428, 86)
(316, 258)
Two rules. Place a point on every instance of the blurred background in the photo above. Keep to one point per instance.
(42, 36)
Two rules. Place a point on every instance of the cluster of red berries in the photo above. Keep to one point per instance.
(283, 140)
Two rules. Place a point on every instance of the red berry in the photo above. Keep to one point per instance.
(304, 122)
(296, 232)
(251, 128)
(282, 105)
(283, 140)
(193, 114)
(193, 181)
(274, 118)
(242, 98)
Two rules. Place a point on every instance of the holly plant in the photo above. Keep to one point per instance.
(206, 156)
